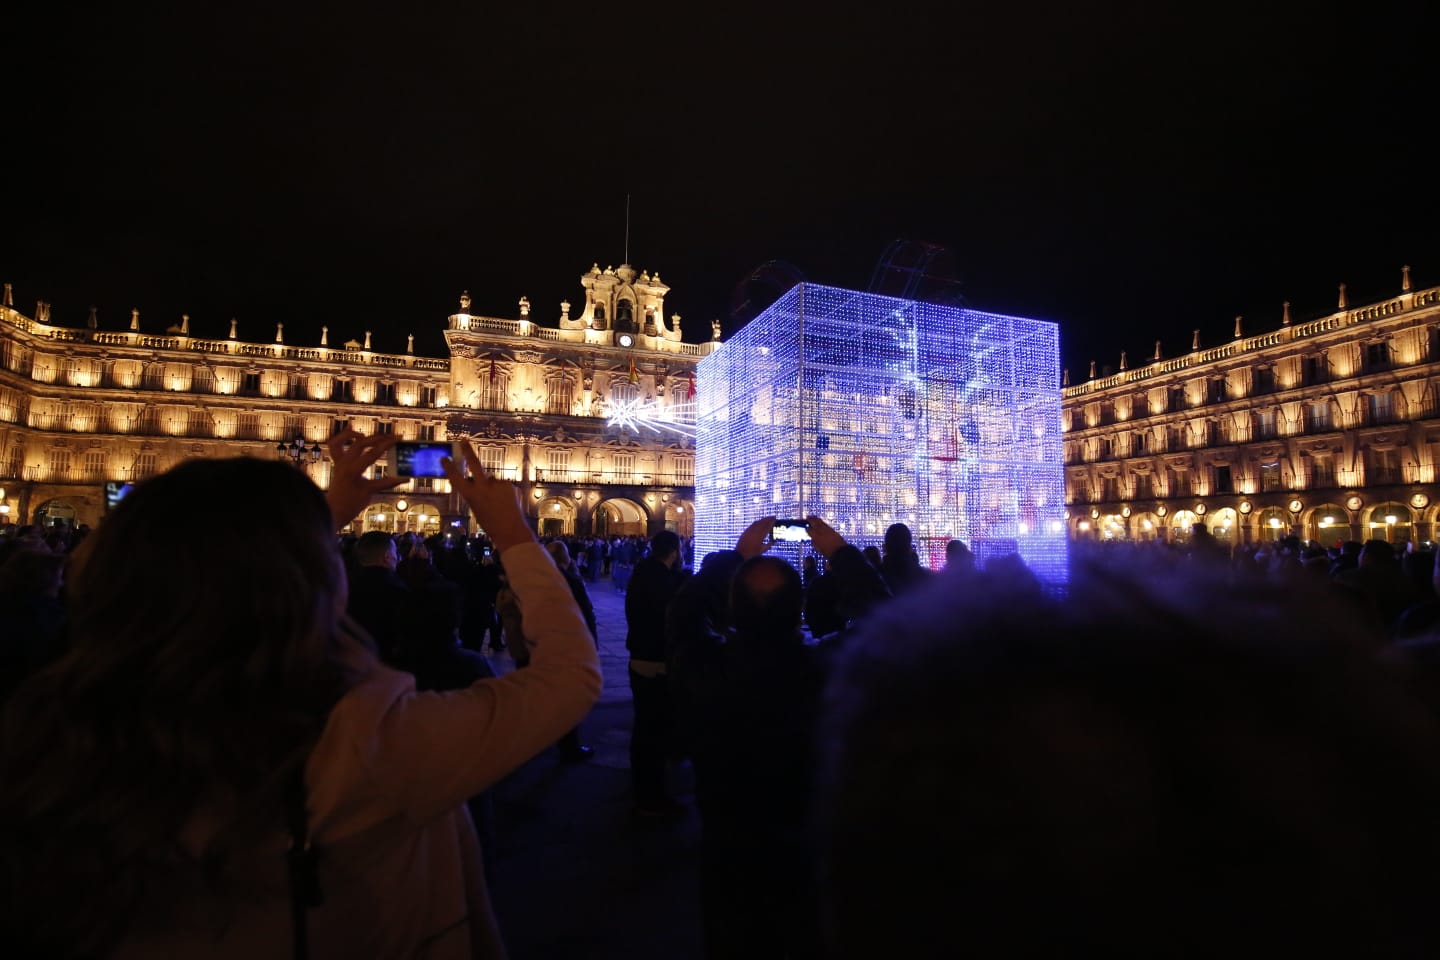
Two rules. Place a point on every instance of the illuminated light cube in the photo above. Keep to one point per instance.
(866, 410)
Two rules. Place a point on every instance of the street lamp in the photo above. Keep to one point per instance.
(1390, 519)
(297, 453)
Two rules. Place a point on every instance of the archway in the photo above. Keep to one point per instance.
(619, 517)
(1274, 523)
(1146, 526)
(1182, 525)
(1225, 526)
(378, 516)
(1390, 522)
(59, 512)
(680, 517)
(1328, 524)
(1111, 527)
(555, 516)
(421, 518)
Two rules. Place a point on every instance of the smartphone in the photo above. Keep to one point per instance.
(790, 530)
(420, 458)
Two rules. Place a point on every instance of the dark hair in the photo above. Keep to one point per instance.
(30, 572)
(1131, 775)
(766, 597)
(664, 543)
(373, 546)
(897, 537)
(205, 658)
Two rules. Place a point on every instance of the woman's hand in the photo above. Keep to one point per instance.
(496, 502)
(353, 453)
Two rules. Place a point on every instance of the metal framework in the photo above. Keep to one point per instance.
(866, 409)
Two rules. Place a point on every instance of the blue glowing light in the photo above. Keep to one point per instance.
(866, 410)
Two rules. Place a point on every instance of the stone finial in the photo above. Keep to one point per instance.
(675, 322)
(1285, 314)
(42, 311)
(465, 301)
(1124, 365)
(524, 308)
(1065, 377)
(1092, 369)
(232, 328)
(1239, 331)
(1404, 279)
(135, 321)
(279, 333)
(714, 329)
(9, 296)
(367, 341)
(410, 343)
(324, 336)
(1195, 341)
(185, 324)
(1343, 301)
(564, 309)
(93, 321)
(1158, 355)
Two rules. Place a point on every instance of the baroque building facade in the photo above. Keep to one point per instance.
(1328, 429)
(590, 416)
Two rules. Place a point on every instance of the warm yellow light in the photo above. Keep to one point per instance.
(1149, 526)
(1327, 521)
(1275, 523)
(1084, 524)
(1390, 518)
(555, 507)
(402, 505)
(4, 509)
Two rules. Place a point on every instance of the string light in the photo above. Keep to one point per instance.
(866, 410)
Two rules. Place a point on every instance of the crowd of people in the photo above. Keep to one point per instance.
(241, 736)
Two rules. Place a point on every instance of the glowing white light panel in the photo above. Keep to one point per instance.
(865, 410)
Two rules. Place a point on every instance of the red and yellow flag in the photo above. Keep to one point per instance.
(634, 374)
(690, 387)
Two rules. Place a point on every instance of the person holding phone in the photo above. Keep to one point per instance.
(234, 773)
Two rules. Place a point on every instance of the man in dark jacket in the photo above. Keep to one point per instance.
(749, 689)
(379, 600)
(652, 583)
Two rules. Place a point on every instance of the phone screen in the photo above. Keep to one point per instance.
(790, 530)
(420, 458)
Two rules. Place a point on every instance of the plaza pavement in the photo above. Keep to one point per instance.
(575, 874)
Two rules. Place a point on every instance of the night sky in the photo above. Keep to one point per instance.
(1126, 171)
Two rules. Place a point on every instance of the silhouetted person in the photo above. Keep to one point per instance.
(1014, 773)
(652, 583)
(899, 565)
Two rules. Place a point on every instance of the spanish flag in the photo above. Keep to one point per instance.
(634, 374)
(690, 387)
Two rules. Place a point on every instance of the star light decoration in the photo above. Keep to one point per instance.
(653, 416)
(866, 410)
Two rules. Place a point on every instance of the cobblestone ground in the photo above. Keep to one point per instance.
(575, 875)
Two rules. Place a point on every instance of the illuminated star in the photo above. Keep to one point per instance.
(651, 415)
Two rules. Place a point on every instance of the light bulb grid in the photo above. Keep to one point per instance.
(864, 410)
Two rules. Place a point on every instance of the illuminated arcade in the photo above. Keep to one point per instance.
(867, 409)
